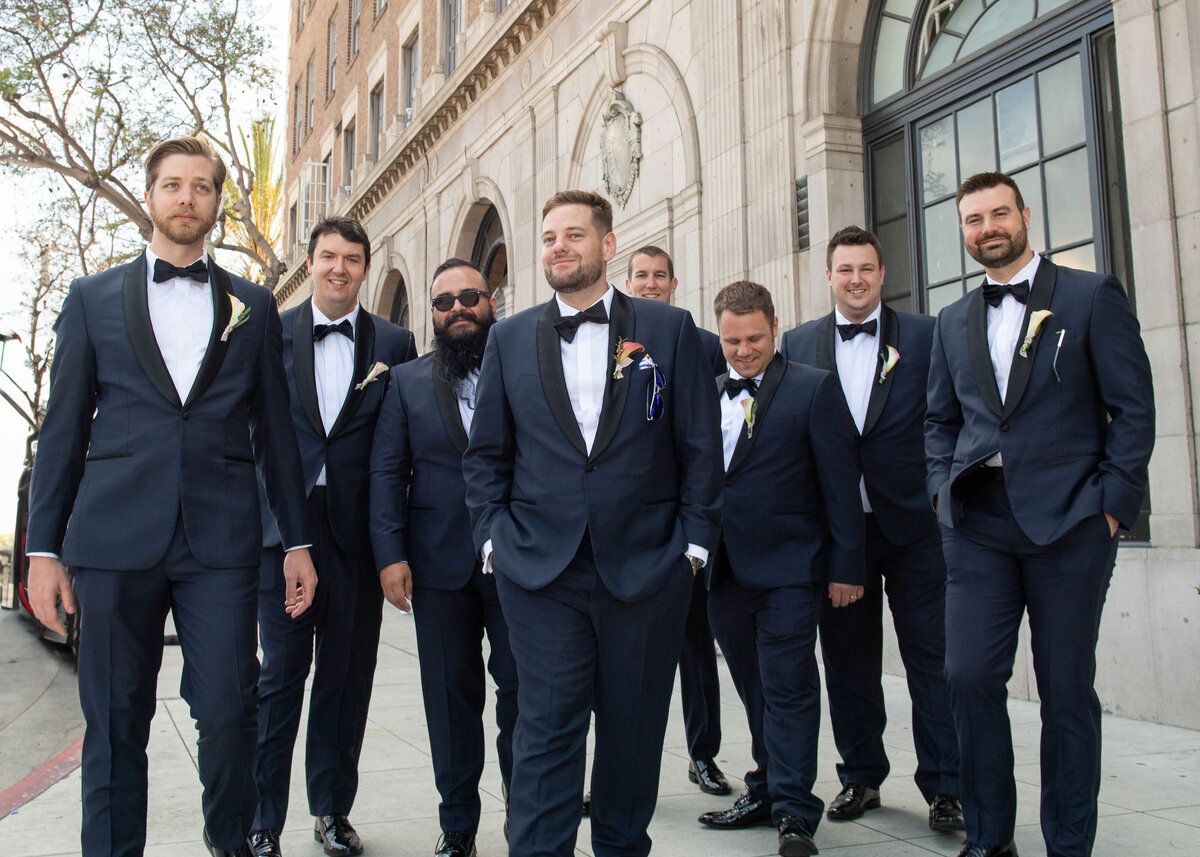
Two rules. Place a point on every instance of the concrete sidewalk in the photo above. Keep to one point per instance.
(1150, 797)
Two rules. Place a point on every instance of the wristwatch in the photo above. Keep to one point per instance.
(695, 562)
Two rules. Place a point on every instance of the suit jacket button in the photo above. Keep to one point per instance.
(1004, 427)
(728, 482)
(185, 415)
(589, 468)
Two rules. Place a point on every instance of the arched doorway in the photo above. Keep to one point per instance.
(949, 88)
(489, 253)
(394, 296)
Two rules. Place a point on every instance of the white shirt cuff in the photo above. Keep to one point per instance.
(698, 552)
(295, 548)
(39, 553)
(487, 557)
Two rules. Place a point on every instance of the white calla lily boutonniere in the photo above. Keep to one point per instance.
(376, 370)
(238, 315)
(1036, 320)
(890, 358)
(750, 405)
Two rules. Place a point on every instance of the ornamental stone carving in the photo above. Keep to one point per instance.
(620, 146)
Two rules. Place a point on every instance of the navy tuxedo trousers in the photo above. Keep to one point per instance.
(699, 684)
(120, 652)
(995, 575)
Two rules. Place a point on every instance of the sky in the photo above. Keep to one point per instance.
(16, 217)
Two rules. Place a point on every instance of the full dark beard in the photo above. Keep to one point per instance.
(1002, 256)
(456, 354)
(586, 275)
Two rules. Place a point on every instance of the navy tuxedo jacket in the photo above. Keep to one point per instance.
(120, 457)
(346, 450)
(418, 494)
(712, 347)
(891, 446)
(648, 487)
(1076, 428)
(792, 512)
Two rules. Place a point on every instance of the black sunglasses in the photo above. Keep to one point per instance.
(468, 298)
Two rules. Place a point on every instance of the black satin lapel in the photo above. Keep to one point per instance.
(1039, 299)
(303, 365)
(554, 383)
(826, 356)
(620, 326)
(447, 404)
(889, 334)
(141, 331)
(766, 392)
(981, 358)
(221, 289)
(364, 359)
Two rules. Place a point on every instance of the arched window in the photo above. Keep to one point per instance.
(399, 311)
(490, 254)
(954, 87)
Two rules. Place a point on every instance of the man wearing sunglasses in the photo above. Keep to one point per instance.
(420, 531)
(791, 536)
(593, 481)
(332, 351)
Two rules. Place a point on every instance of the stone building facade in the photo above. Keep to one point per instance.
(740, 134)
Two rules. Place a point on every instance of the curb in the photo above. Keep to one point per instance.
(14, 797)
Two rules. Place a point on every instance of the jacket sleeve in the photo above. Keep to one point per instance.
(66, 429)
(391, 473)
(943, 418)
(489, 462)
(696, 425)
(835, 451)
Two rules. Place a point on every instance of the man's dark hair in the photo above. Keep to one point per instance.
(743, 298)
(654, 253)
(455, 262)
(852, 236)
(602, 213)
(184, 146)
(346, 227)
(984, 181)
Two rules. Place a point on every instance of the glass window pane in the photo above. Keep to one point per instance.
(903, 8)
(940, 297)
(1060, 93)
(976, 138)
(1016, 108)
(943, 248)
(1082, 257)
(937, 159)
(964, 16)
(889, 59)
(943, 52)
(890, 191)
(897, 259)
(1000, 19)
(1068, 199)
(1030, 183)
(1047, 6)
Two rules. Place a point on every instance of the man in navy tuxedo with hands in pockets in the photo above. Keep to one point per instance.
(1039, 429)
(593, 482)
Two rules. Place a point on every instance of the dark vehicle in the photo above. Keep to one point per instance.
(20, 564)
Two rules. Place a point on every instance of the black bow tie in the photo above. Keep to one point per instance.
(993, 293)
(569, 324)
(849, 331)
(733, 386)
(164, 270)
(344, 327)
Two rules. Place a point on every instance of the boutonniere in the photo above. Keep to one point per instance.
(1036, 320)
(750, 406)
(376, 370)
(623, 356)
(238, 314)
(890, 358)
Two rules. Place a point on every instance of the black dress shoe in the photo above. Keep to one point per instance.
(587, 804)
(747, 811)
(945, 814)
(853, 800)
(795, 839)
(337, 835)
(705, 773)
(265, 843)
(243, 851)
(456, 843)
(969, 850)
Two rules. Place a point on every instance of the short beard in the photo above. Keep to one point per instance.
(182, 234)
(586, 275)
(1002, 256)
(456, 355)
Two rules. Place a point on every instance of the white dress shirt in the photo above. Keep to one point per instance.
(181, 315)
(466, 398)
(733, 415)
(333, 364)
(857, 360)
(1003, 332)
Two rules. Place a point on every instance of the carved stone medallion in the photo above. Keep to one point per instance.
(620, 146)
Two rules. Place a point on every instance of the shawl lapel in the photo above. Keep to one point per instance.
(766, 392)
(141, 331)
(304, 367)
(554, 383)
